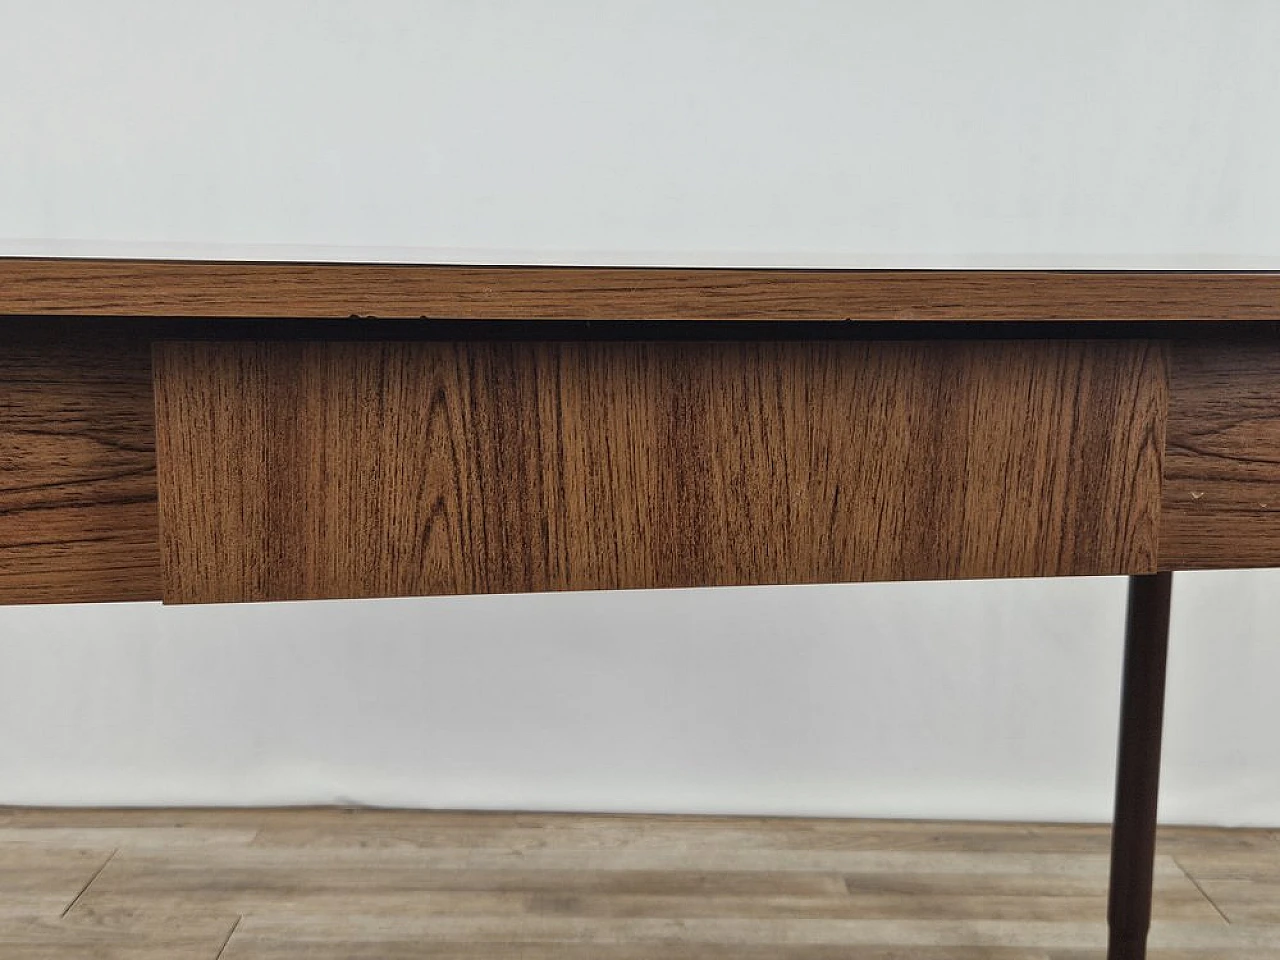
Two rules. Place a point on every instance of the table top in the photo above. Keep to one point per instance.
(156, 288)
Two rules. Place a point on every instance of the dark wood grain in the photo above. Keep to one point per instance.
(78, 518)
(282, 290)
(1222, 466)
(309, 470)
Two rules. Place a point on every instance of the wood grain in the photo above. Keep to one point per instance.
(78, 516)
(292, 290)
(1222, 464)
(311, 470)
(672, 880)
(40, 881)
(381, 884)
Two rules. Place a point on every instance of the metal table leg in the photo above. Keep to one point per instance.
(1133, 838)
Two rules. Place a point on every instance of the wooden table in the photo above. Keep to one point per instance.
(218, 432)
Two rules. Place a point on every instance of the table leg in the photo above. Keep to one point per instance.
(1133, 837)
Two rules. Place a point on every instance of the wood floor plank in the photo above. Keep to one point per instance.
(234, 818)
(351, 884)
(628, 883)
(126, 837)
(1259, 863)
(258, 947)
(394, 903)
(385, 829)
(370, 827)
(906, 935)
(1245, 901)
(262, 948)
(184, 938)
(374, 883)
(658, 835)
(40, 881)
(326, 862)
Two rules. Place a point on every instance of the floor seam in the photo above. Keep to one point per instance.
(1196, 883)
(97, 873)
(231, 933)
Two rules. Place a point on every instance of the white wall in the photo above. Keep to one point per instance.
(836, 132)
(985, 700)
(927, 133)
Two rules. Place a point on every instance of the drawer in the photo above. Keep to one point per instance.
(356, 469)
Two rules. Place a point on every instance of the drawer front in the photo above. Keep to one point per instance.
(308, 470)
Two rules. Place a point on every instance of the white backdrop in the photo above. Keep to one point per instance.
(970, 699)
(925, 133)
(830, 132)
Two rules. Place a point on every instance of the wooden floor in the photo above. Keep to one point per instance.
(347, 884)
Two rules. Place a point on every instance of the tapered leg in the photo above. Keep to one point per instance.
(1133, 837)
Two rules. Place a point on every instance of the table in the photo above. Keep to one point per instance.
(222, 432)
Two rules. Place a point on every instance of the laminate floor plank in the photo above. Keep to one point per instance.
(168, 838)
(334, 884)
(262, 949)
(387, 829)
(904, 935)
(327, 862)
(1245, 901)
(1259, 864)
(372, 827)
(39, 881)
(185, 938)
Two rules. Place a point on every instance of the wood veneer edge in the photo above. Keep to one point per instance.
(265, 290)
